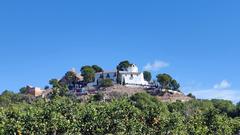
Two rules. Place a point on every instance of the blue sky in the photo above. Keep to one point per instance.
(197, 42)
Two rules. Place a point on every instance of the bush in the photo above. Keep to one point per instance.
(106, 83)
(191, 96)
(98, 97)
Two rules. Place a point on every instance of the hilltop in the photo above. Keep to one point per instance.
(118, 91)
(126, 80)
(125, 101)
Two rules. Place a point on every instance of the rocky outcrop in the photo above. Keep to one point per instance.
(118, 91)
(173, 97)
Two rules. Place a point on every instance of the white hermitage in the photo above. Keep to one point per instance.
(130, 77)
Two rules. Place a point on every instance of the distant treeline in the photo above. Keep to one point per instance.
(138, 114)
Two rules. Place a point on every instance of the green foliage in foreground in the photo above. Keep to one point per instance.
(139, 114)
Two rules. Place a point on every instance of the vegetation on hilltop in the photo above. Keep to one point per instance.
(106, 83)
(88, 74)
(167, 82)
(97, 68)
(147, 76)
(122, 66)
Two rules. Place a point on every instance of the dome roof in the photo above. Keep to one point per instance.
(132, 68)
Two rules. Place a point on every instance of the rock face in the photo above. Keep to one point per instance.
(173, 97)
(118, 91)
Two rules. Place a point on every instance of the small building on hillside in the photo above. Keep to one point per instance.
(130, 77)
(104, 75)
(38, 92)
(35, 91)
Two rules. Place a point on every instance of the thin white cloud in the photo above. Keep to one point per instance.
(222, 85)
(227, 94)
(156, 65)
(221, 90)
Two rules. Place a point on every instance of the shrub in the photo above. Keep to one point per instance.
(106, 83)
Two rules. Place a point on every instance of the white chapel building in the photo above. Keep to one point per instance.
(130, 77)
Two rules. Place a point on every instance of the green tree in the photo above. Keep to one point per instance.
(164, 80)
(236, 125)
(154, 113)
(191, 95)
(88, 74)
(167, 82)
(174, 85)
(7, 93)
(6, 98)
(97, 68)
(23, 90)
(196, 125)
(54, 82)
(218, 124)
(122, 66)
(142, 100)
(46, 87)
(58, 89)
(177, 106)
(224, 106)
(71, 77)
(147, 76)
(176, 124)
(238, 109)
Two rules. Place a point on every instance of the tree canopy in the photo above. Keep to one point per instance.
(147, 76)
(164, 80)
(174, 85)
(58, 89)
(122, 66)
(167, 82)
(70, 77)
(88, 74)
(97, 68)
(23, 90)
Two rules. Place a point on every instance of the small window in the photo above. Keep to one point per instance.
(131, 76)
